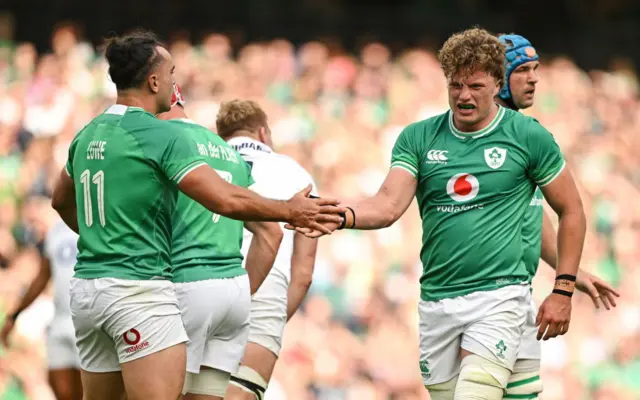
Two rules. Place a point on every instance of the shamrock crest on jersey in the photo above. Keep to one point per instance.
(495, 157)
(473, 204)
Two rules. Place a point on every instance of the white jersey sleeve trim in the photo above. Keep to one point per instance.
(407, 167)
(186, 170)
(547, 180)
(67, 171)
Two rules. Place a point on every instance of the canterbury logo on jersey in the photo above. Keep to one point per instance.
(437, 156)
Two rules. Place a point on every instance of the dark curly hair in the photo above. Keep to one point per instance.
(473, 50)
(132, 57)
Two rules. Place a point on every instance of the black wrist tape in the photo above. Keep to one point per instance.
(566, 277)
(562, 292)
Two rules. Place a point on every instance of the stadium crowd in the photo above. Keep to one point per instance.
(338, 114)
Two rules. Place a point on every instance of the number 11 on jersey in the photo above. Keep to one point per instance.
(98, 180)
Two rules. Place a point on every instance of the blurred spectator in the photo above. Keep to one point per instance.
(339, 115)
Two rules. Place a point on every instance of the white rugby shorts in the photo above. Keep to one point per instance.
(530, 349)
(216, 316)
(489, 324)
(118, 320)
(269, 313)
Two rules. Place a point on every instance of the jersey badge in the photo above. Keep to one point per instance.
(495, 157)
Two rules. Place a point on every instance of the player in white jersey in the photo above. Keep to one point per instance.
(59, 257)
(243, 124)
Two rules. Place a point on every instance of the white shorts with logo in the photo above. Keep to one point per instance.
(62, 352)
(216, 316)
(269, 313)
(119, 320)
(530, 348)
(489, 324)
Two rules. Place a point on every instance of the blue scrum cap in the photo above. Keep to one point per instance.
(519, 51)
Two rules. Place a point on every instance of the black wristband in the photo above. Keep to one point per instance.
(344, 221)
(566, 277)
(354, 217)
(562, 292)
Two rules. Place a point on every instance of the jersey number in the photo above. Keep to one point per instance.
(98, 179)
(227, 177)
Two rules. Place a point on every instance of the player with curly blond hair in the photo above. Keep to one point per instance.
(473, 170)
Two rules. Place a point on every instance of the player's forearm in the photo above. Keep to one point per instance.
(262, 251)
(298, 289)
(303, 262)
(549, 247)
(36, 287)
(372, 213)
(206, 187)
(246, 205)
(571, 235)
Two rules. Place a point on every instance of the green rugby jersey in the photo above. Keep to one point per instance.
(125, 165)
(473, 191)
(532, 233)
(207, 245)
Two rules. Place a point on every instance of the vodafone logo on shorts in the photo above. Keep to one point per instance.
(132, 338)
(463, 187)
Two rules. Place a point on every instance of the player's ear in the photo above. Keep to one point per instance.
(154, 82)
(262, 134)
(496, 89)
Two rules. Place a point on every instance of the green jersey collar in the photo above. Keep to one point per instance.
(482, 132)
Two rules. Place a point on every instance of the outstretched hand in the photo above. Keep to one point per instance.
(597, 289)
(314, 214)
(314, 233)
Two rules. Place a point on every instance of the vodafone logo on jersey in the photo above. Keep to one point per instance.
(463, 187)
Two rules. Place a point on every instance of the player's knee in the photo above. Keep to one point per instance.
(481, 379)
(209, 382)
(442, 391)
(525, 381)
(249, 381)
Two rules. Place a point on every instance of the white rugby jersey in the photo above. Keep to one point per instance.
(60, 247)
(276, 177)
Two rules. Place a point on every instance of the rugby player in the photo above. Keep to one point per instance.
(118, 190)
(58, 258)
(538, 235)
(214, 290)
(243, 124)
(474, 170)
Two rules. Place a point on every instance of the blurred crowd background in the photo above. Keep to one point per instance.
(338, 113)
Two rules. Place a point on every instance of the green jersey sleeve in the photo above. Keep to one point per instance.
(546, 160)
(404, 154)
(72, 149)
(248, 167)
(180, 157)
